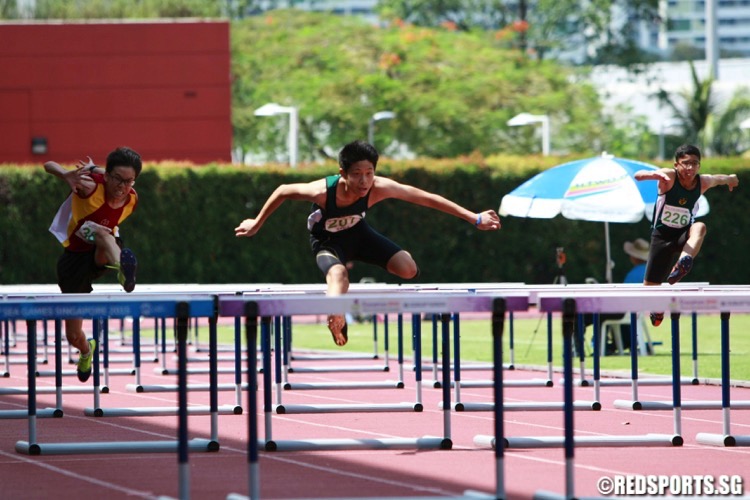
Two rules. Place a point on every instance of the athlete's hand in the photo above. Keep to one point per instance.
(733, 181)
(662, 176)
(86, 164)
(80, 181)
(489, 221)
(247, 227)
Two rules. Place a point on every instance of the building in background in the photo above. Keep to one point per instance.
(686, 24)
(361, 8)
(75, 89)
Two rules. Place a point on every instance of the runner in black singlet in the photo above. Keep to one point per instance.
(675, 234)
(339, 233)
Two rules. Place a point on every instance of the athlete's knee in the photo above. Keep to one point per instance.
(409, 273)
(403, 265)
(337, 273)
(699, 228)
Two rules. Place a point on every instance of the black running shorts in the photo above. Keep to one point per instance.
(76, 271)
(360, 243)
(666, 245)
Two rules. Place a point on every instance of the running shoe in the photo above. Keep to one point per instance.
(656, 318)
(683, 266)
(83, 370)
(128, 267)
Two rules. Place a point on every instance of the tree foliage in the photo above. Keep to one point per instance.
(452, 92)
(542, 27)
(703, 120)
(125, 9)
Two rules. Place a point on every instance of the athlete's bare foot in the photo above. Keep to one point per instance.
(338, 327)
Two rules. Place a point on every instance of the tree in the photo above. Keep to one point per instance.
(452, 92)
(604, 29)
(116, 9)
(464, 15)
(703, 120)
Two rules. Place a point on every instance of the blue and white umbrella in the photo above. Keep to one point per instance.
(599, 189)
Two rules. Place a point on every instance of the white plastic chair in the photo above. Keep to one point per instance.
(645, 346)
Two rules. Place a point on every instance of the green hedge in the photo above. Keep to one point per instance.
(183, 230)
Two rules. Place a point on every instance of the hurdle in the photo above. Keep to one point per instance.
(459, 366)
(264, 307)
(289, 356)
(282, 368)
(726, 438)
(459, 405)
(58, 389)
(94, 307)
(237, 387)
(700, 301)
(281, 408)
(637, 404)
(57, 411)
(335, 356)
(368, 304)
(596, 302)
(533, 291)
(212, 387)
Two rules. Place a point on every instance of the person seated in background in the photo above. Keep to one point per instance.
(637, 250)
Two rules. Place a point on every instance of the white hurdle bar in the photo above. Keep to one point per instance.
(266, 307)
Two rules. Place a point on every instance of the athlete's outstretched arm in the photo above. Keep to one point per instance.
(78, 179)
(712, 180)
(311, 191)
(385, 188)
(664, 176)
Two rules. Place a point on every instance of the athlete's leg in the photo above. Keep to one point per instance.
(75, 272)
(696, 235)
(659, 257)
(74, 334)
(337, 281)
(690, 249)
(107, 250)
(109, 254)
(402, 265)
(76, 338)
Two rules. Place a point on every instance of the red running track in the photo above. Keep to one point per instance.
(362, 473)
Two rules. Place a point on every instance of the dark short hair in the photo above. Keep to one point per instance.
(124, 157)
(685, 150)
(357, 151)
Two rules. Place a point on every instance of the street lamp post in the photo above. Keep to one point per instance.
(529, 119)
(380, 115)
(273, 109)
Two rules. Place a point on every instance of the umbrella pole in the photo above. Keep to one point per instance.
(608, 271)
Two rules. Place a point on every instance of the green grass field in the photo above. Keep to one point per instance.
(531, 344)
